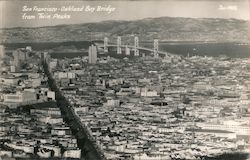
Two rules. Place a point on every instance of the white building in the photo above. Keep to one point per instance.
(20, 97)
(154, 157)
(12, 69)
(8, 81)
(119, 43)
(2, 51)
(92, 54)
(146, 93)
(231, 127)
(68, 75)
(56, 149)
(113, 102)
(76, 153)
(81, 109)
(52, 64)
(51, 95)
(35, 82)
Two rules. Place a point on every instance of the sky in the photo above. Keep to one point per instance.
(12, 11)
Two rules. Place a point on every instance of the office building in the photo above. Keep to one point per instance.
(20, 58)
(119, 43)
(92, 54)
(20, 97)
(2, 51)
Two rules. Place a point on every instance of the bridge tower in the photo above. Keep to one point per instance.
(136, 50)
(156, 48)
(105, 45)
(119, 43)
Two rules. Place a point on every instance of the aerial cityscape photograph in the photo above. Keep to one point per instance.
(125, 80)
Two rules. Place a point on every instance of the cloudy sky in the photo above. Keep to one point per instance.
(11, 11)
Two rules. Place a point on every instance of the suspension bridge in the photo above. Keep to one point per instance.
(135, 49)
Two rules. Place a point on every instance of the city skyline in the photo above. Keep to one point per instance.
(158, 80)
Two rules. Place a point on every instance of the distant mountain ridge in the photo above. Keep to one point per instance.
(163, 28)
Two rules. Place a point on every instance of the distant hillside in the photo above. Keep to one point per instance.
(165, 29)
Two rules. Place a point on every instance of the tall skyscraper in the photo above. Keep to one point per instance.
(45, 56)
(92, 54)
(119, 43)
(105, 45)
(136, 50)
(17, 62)
(20, 58)
(2, 51)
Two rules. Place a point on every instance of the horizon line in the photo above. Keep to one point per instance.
(65, 24)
